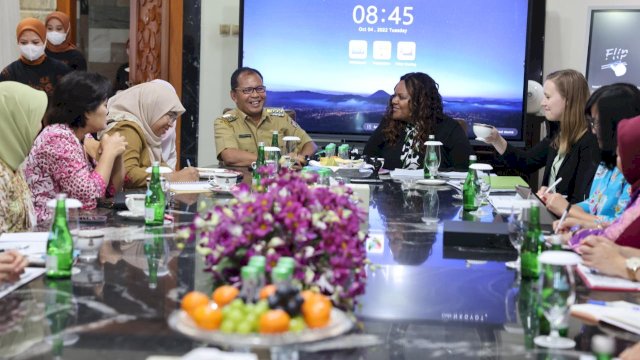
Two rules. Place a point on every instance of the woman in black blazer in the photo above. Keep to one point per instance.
(414, 112)
(571, 153)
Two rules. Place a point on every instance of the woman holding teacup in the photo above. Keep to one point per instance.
(143, 114)
(414, 112)
(570, 154)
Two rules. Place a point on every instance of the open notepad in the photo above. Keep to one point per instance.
(31, 244)
(604, 282)
(190, 187)
(621, 314)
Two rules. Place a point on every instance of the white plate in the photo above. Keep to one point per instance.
(182, 323)
(431, 182)
(138, 217)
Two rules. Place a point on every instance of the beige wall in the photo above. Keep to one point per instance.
(567, 31)
(36, 8)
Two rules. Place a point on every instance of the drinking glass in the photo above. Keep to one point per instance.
(290, 150)
(430, 206)
(483, 188)
(557, 294)
(516, 228)
(432, 161)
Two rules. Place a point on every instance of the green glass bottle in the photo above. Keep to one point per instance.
(469, 188)
(532, 245)
(154, 204)
(260, 161)
(57, 302)
(59, 244)
(528, 309)
(429, 156)
(275, 143)
(154, 252)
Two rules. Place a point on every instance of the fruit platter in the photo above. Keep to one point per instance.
(276, 316)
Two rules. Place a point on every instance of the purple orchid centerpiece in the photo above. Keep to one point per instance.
(318, 226)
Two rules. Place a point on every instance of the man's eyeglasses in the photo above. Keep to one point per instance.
(250, 90)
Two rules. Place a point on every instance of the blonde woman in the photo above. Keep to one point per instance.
(572, 153)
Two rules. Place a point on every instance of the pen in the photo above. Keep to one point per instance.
(562, 218)
(188, 163)
(553, 186)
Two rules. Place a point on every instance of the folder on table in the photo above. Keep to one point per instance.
(507, 182)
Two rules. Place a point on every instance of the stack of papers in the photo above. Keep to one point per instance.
(190, 187)
(453, 175)
(31, 244)
(29, 274)
(506, 183)
(504, 203)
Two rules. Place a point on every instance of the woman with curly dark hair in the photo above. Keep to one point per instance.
(415, 112)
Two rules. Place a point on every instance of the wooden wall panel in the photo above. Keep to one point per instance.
(149, 34)
(69, 7)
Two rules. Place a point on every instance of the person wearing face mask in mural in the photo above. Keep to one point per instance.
(59, 46)
(34, 67)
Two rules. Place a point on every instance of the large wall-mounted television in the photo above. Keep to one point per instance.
(336, 62)
(614, 49)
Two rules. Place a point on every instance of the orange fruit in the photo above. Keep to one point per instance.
(266, 291)
(207, 317)
(225, 294)
(192, 300)
(316, 311)
(307, 294)
(274, 321)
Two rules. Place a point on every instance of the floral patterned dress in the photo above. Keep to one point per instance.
(609, 196)
(56, 164)
(16, 207)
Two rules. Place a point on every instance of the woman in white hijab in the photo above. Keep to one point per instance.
(143, 114)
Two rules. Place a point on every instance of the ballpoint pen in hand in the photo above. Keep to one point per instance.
(553, 186)
(188, 163)
(562, 218)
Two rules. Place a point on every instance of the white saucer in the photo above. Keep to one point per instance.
(457, 196)
(138, 217)
(130, 215)
(481, 139)
(431, 182)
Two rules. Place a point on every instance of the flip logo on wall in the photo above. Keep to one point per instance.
(615, 60)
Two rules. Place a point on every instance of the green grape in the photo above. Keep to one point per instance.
(261, 307)
(244, 327)
(297, 324)
(227, 326)
(237, 304)
(225, 311)
(249, 308)
(235, 316)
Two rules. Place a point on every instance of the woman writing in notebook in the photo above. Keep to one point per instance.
(610, 191)
(625, 230)
(143, 114)
(570, 154)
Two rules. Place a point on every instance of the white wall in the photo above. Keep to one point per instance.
(218, 59)
(567, 31)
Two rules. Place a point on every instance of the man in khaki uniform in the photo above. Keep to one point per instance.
(238, 132)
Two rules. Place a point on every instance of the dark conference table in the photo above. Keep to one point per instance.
(422, 300)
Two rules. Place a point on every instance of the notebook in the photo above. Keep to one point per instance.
(622, 314)
(29, 274)
(597, 281)
(31, 244)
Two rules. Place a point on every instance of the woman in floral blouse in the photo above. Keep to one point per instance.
(21, 111)
(58, 162)
(610, 191)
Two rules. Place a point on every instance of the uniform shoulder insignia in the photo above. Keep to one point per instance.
(279, 112)
(229, 117)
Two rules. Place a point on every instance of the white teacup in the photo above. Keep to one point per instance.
(482, 130)
(135, 203)
(225, 180)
